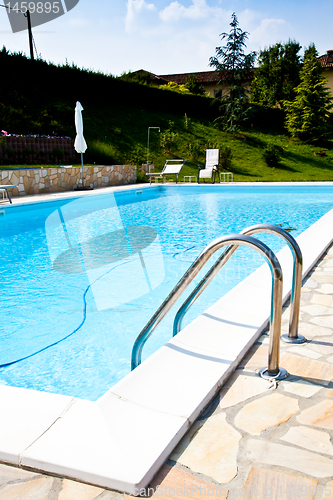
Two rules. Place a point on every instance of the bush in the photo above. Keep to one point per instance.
(168, 141)
(137, 156)
(141, 177)
(225, 157)
(272, 155)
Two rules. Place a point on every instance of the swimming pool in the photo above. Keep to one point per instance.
(84, 315)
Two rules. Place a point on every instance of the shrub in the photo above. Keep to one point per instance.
(141, 177)
(137, 156)
(168, 141)
(195, 150)
(272, 155)
(225, 157)
(187, 122)
(175, 87)
(194, 86)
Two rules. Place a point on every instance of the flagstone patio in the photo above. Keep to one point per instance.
(255, 440)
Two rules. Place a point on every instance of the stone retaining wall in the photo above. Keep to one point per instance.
(52, 180)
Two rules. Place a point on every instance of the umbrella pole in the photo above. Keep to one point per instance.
(82, 169)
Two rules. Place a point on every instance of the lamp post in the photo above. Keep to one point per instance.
(148, 144)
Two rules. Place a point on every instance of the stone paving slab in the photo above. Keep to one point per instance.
(262, 484)
(254, 441)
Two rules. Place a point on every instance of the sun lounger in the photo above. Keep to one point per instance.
(4, 191)
(171, 167)
(211, 167)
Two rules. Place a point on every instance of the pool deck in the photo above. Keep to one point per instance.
(255, 440)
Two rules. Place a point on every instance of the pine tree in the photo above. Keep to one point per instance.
(235, 68)
(308, 116)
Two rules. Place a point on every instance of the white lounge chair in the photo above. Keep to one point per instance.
(211, 166)
(171, 167)
(4, 190)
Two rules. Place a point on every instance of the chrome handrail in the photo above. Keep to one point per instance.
(293, 336)
(273, 370)
(296, 287)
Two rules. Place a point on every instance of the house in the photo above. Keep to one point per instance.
(210, 79)
(327, 63)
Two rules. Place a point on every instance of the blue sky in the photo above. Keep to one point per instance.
(168, 36)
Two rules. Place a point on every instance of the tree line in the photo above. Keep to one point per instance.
(282, 79)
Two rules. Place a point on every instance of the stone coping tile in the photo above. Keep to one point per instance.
(101, 444)
(26, 415)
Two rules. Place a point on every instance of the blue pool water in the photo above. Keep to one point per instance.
(81, 277)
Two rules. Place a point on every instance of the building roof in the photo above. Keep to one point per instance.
(202, 76)
(327, 59)
(213, 76)
(159, 79)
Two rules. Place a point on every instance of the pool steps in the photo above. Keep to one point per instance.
(121, 440)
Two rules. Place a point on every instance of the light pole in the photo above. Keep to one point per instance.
(148, 144)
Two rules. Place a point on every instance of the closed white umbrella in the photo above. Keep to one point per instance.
(80, 144)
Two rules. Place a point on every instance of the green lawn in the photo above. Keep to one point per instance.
(121, 138)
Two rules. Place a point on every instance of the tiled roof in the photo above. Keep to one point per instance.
(213, 76)
(152, 75)
(327, 59)
(202, 76)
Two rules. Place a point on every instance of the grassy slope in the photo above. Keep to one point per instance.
(116, 132)
(299, 163)
(123, 135)
(128, 145)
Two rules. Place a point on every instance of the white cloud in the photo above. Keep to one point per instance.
(271, 31)
(175, 11)
(134, 9)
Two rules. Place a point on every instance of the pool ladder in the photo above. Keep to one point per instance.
(273, 370)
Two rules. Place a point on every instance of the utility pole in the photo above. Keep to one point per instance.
(27, 15)
(30, 35)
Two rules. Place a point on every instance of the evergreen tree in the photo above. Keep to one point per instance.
(308, 116)
(235, 71)
(277, 75)
(194, 86)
